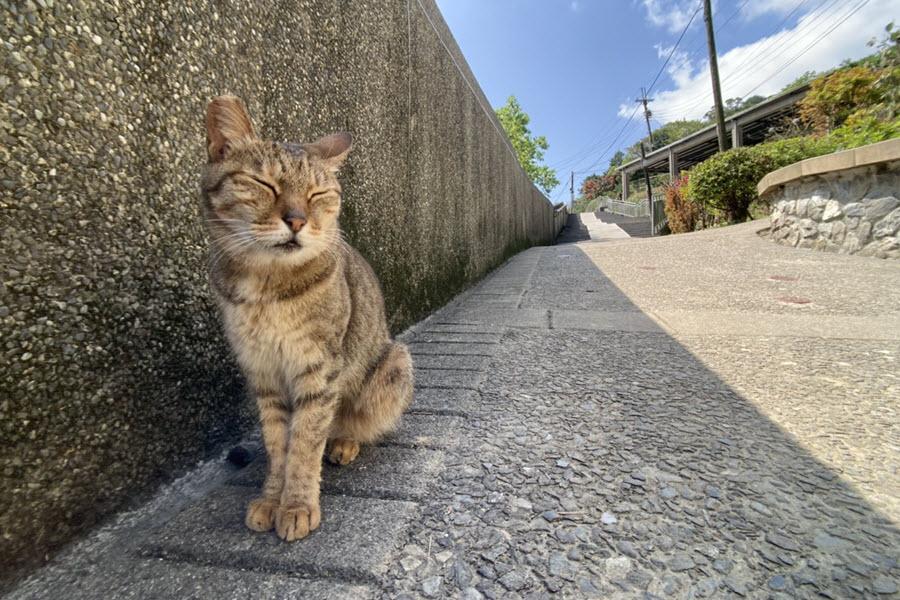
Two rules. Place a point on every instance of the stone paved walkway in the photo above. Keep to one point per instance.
(706, 415)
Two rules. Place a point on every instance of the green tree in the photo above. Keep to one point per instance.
(734, 105)
(529, 149)
(665, 135)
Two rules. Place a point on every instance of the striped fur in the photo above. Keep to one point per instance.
(302, 309)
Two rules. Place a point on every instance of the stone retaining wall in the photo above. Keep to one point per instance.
(114, 374)
(847, 202)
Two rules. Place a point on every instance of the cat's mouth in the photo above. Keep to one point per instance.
(289, 246)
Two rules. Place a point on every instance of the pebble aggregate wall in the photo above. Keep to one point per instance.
(114, 372)
(851, 211)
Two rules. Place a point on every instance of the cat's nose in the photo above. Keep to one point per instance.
(295, 220)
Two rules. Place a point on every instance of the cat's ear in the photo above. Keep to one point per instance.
(331, 149)
(227, 121)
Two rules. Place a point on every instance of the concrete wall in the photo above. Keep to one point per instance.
(845, 202)
(114, 373)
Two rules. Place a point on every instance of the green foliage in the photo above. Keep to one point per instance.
(734, 105)
(807, 77)
(781, 153)
(585, 205)
(663, 136)
(864, 127)
(529, 149)
(724, 185)
(834, 97)
(888, 63)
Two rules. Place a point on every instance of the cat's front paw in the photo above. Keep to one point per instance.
(296, 522)
(261, 514)
(342, 451)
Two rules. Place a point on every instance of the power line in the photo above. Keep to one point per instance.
(649, 88)
(784, 66)
(771, 44)
(612, 143)
(672, 51)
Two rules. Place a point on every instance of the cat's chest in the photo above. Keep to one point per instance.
(270, 338)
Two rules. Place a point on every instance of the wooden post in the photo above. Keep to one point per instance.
(624, 185)
(714, 72)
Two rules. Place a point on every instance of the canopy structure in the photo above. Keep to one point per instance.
(746, 128)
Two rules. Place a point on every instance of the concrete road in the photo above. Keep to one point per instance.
(704, 415)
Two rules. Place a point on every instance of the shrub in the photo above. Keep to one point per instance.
(724, 185)
(781, 153)
(834, 97)
(683, 214)
(864, 127)
(596, 185)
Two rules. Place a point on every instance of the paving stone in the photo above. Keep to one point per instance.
(353, 543)
(522, 317)
(157, 579)
(451, 349)
(471, 337)
(441, 326)
(448, 378)
(390, 472)
(456, 361)
(425, 431)
(455, 401)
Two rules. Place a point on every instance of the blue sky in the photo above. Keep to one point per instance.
(576, 66)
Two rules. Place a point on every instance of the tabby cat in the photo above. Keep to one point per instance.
(302, 309)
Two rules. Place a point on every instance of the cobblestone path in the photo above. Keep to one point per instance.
(708, 415)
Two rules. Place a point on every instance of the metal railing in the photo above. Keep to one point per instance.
(638, 209)
(628, 209)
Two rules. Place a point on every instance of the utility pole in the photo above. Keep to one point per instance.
(714, 72)
(644, 100)
(649, 190)
(572, 188)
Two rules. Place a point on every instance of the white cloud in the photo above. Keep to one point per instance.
(762, 66)
(670, 14)
(757, 8)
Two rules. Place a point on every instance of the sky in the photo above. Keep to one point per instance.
(577, 66)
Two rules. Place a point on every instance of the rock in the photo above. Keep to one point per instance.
(410, 563)
(431, 587)
(723, 566)
(854, 209)
(587, 587)
(876, 208)
(832, 210)
(608, 518)
(829, 543)
(735, 586)
(471, 594)
(668, 493)
(681, 562)
(626, 548)
(778, 583)
(884, 585)
(617, 567)
(550, 515)
(461, 574)
(513, 581)
(782, 541)
(560, 566)
(240, 456)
